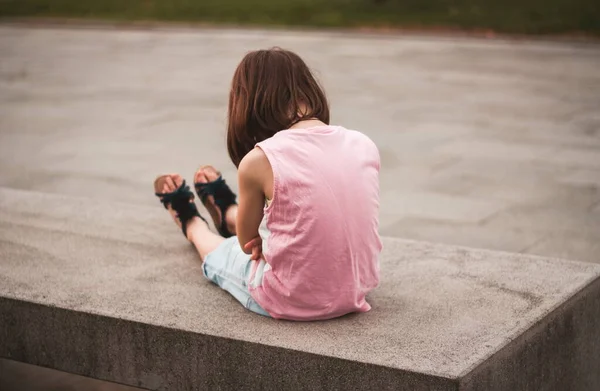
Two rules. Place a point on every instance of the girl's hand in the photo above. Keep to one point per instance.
(256, 246)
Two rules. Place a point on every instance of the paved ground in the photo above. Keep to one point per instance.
(485, 144)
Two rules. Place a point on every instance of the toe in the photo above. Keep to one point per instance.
(169, 184)
(211, 173)
(200, 177)
(207, 174)
(177, 180)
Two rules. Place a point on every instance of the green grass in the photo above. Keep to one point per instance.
(508, 16)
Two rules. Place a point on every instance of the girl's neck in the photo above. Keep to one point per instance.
(307, 123)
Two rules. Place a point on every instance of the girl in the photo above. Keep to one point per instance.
(303, 242)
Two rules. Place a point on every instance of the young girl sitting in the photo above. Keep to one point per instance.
(303, 242)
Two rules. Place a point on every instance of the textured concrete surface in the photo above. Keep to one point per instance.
(491, 144)
(112, 291)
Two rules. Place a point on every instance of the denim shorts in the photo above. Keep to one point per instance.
(229, 267)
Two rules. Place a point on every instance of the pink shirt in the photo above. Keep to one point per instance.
(320, 231)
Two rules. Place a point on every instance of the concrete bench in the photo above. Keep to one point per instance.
(113, 292)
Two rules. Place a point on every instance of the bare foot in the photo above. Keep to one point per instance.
(207, 174)
(168, 184)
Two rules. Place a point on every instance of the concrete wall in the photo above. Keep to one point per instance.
(160, 358)
(560, 352)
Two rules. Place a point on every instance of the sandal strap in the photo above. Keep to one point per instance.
(223, 196)
(180, 203)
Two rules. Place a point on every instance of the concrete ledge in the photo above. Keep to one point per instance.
(112, 291)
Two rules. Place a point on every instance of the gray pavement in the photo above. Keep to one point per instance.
(487, 144)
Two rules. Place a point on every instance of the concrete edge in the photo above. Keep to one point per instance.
(569, 334)
(161, 358)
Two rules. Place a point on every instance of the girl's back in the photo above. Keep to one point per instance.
(320, 230)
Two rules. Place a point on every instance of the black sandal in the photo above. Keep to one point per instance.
(223, 196)
(181, 201)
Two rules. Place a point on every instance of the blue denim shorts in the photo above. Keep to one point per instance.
(229, 267)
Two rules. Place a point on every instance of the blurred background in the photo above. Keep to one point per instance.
(486, 113)
(512, 16)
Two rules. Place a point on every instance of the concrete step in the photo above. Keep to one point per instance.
(114, 292)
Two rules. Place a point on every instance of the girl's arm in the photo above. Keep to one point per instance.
(254, 172)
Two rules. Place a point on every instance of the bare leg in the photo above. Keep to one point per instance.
(231, 218)
(202, 237)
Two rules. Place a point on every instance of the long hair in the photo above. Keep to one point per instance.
(271, 90)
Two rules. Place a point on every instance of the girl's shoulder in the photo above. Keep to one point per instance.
(254, 162)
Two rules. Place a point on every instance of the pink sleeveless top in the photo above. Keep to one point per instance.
(320, 231)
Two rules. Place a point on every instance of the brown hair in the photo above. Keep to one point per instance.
(271, 90)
